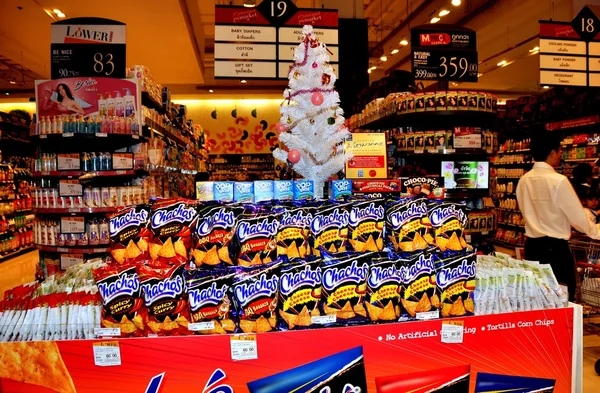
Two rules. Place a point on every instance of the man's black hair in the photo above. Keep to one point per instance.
(542, 144)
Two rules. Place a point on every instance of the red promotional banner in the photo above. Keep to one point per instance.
(534, 344)
(317, 18)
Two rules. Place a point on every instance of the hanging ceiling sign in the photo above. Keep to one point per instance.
(87, 47)
(259, 43)
(570, 51)
(444, 53)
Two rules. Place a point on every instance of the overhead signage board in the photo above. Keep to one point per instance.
(570, 51)
(88, 47)
(259, 43)
(444, 53)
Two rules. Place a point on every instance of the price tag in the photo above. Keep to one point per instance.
(243, 347)
(101, 134)
(121, 172)
(70, 188)
(68, 162)
(72, 224)
(135, 136)
(452, 332)
(423, 316)
(107, 353)
(62, 249)
(323, 319)
(199, 326)
(67, 260)
(122, 161)
(43, 136)
(107, 332)
(468, 238)
(67, 134)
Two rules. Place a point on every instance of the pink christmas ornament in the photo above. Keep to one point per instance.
(280, 128)
(315, 65)
(317, 99)
(294, 156)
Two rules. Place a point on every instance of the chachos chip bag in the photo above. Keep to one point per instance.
(384, 285)
(123, 306)
(344, 287)
(165, 299)
(172, 222)
(300, 295)
(329, 227)
(294, 231)
(129, 234)
(366, 223)
(214, 233)
(256, 294)
(407, 224)
(419, 298)
(256, 237)
(456, 283)
(449, 221)
(209, 300)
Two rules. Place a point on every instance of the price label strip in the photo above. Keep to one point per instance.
(72, 225)
(70, 188)
(68, 162)
(243, 347)
(452, 332)
(122, 161)
(107, 353)
(68, 260)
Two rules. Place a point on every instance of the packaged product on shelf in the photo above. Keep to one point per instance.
(429, 140)
(293, 238)
(304, 190)
(129, 234)
(410, 103)
(450, 140)
(419, 299)
(430, 101)
(449, 221)
(410, 141)
(300, 295)
(455, 280)
(401, 103)
(344, 287)
(366, 224)
(419, 142)
(214, 233)
(420, 102)
(243, 192)
(256, 297)
(165, 298)
(407, 226)
(223, 191)
(384, 286)
(210, 302)
(463, 100)
(339, 189)
(481, 100)
(452, 100)
(454, 379)
(489, 98)
(401, 142)
(263, 190)
(441, 100)
(172, 223)
(256, 236)
(283, 190)
(329, 227)
(473, 99)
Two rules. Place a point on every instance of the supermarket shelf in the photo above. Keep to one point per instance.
(452, 152)
(509, 210)
(13, 230)
(8, 198)
(504, 243)
(72, 142)
(511, 225)
(592, 160)
(515, 151)
(74, 250)
(85, 175)
(84, 210)
(10, 254)
(501, 164)
(507, 178)
(149, 102)
(460, 117)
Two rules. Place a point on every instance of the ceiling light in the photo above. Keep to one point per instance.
(454, 84)
(12, 82)
(435, 19)
(249, 3)
(374, 68)
(545, 87)
(395, 51)
(404, 42)
(479, 74)
(61, 15)
(501, 102)
(7, 93)
(211, 91)
(369, 71)
(383, 58)
(534, 50)
(443, 13)
(455, 3)
(502, 63)
(243, 81)
(57, 11)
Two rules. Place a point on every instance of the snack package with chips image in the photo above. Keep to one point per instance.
(329, 227)
(455, 278)
(165, 299)
(366, 224)
(419, 295)
(210, 301)
(213, 237)
(294, 230)
(384, 286)
(300, 295)
(493, 383)
(454, 379)
(408, 228)
(344, 287)
(129, 234)
(123, 305)
(172, 222)
(256, 295)
(449, 221)
(256, 236)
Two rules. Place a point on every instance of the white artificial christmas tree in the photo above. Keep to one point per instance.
(312, 122)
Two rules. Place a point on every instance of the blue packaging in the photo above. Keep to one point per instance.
(340, 188)
(263, 190)
(223, 191)
(243, 192)
(304, 189)
(205, 190)
(283, 190)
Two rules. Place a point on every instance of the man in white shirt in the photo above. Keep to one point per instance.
(551, 207)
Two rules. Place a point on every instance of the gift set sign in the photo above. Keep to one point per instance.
(259, 42)
(87, 47)
(444, 52)
(570, 51)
